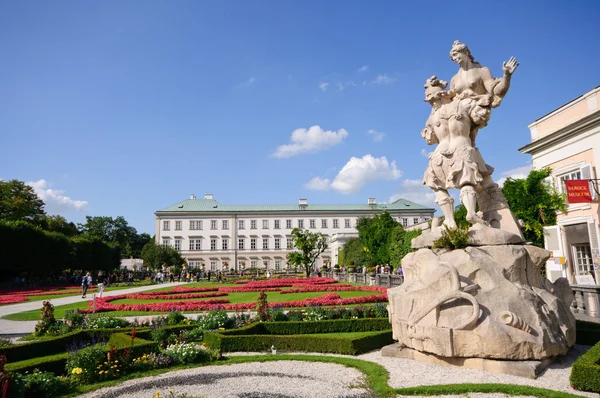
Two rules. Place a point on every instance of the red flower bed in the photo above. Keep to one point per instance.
(327, 299)
(336, 288)
(139, 296)
(12, 299)
(289, 282)
(103, 306)
(245, 289)
(241, 282)
(188, 290)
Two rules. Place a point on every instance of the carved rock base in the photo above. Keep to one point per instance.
(482, 302)
(529, 369)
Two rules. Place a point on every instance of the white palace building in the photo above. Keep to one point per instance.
(259, 236)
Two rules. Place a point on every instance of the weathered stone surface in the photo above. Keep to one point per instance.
(479, 234)
(529, 369)
(518, 315)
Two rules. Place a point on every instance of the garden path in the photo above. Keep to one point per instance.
(15, 328)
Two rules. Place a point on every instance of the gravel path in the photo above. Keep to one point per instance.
(282, 379)
(279, 379)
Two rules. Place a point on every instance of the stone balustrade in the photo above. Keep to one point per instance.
(586, 302)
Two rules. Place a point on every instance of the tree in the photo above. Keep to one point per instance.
(155, 256)
(59, 224)
(374, 233)
(19, 202)
(535, 202)
(310, 244)
(400, 244)
(352, 253)
(116, 230)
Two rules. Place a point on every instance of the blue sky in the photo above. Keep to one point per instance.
(126, 107)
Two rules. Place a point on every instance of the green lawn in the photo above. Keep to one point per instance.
(234, 298)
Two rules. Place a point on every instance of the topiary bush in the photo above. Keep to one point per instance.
(585, 373)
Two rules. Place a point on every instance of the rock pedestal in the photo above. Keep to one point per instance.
(486, 301)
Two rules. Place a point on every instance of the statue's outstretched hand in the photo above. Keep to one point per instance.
(509, 67)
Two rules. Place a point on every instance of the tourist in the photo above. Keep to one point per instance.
(86, 281)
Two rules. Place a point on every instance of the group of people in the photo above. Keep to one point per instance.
(86, 281)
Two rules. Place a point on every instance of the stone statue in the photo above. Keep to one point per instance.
(454, 122)
(486, 305)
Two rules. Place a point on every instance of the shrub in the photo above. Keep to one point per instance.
(152, 361)
(192, 335)
(47, 321)
(101, 321)
(175, 318)
(214, 320)
(44, 384)
(452, 238)
(585, 373)
(82, 364)
(262, 307)
(74, 319)
(4, 342)
(277, 315)
(191, 353)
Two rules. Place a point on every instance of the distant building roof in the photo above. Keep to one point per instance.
(211, 205)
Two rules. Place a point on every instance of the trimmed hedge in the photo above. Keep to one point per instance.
(585, 373)
(305, 336)
(56, 363)
(335, 343)
(58, 344)
(313, 327)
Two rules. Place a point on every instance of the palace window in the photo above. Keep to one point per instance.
(252, 224)
(213, 224)
(347, 223)
(265, 243)
(225, 224)
(277, 243)
(252, 243)
(276, 222)
(213, 244)
(265, 224)
(177, 225)
(312, 224)
(323, 223)
(166, 225)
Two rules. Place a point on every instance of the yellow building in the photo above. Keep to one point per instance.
(568, 141)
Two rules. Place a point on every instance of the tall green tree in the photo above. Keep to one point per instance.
(116, 230)
(19, 202)
(535, 202)
(374, 233)
(59, 224)
(400, 244)
(310, 246)
(352, 253)
(155, 256)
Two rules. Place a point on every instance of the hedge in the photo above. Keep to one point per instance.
(56, 363)
(313, 327)
(305, 336)
(58, 344)
(585, 373)
(336, 343)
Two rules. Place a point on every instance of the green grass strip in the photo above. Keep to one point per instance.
(376, 378)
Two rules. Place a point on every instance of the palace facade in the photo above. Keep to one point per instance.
(259, 236)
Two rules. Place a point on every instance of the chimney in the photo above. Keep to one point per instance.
(303, 203)
(192, 196)
(372, 201)
(209, 196)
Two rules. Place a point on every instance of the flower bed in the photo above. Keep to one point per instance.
(246, 289)
(12, 299)
(289, 282)
(335, 288)
(187, 290)
(139, 296)
(103, 306)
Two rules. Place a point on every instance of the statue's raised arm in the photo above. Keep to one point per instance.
(474, 79)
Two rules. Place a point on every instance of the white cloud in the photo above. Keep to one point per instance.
(415, 191)
(425, 154)
(356, 173)
(377, 136)
(55, 200)
(383, 79)
(340, 87)
(318, 184)
(363, 68)
(516, 173)
(313, 140)
(323, 86)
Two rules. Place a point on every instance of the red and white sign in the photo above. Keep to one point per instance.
(578, 191)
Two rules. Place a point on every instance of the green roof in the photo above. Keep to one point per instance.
(211, 205)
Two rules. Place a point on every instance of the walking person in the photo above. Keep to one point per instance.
(85, 283)
(101, 284)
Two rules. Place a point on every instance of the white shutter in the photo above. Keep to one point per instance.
(552, 240)
(586, 174)
(592, 229)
